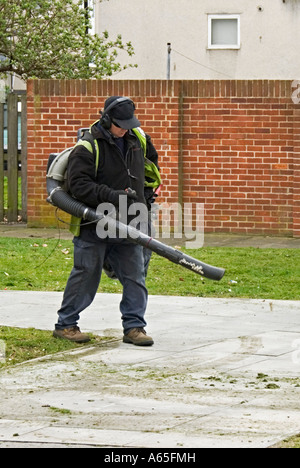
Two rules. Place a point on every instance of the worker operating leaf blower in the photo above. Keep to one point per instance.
(112, 167)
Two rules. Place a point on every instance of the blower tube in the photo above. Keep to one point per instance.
(58, 197)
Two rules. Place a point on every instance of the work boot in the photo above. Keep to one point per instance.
(138, 337)
(71, 334)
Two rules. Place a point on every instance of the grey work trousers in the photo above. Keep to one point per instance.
(127, 261)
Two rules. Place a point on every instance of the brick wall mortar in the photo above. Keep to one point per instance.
(236, 144)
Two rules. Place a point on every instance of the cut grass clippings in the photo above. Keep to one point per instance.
(45, 265)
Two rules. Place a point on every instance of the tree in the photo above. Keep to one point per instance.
(51, 39)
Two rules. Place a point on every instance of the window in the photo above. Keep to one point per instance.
(223, 31)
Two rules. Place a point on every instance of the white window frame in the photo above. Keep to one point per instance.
(224, 46)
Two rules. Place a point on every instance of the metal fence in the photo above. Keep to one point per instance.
(13, 159)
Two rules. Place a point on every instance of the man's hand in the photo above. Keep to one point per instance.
(114, 196)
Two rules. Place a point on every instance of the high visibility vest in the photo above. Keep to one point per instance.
(152, 175)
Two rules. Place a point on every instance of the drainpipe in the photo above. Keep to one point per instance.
(169, 61)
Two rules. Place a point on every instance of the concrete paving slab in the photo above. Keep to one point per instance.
(221, 239)
(222, 373)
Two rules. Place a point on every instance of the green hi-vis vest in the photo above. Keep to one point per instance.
(151, 170)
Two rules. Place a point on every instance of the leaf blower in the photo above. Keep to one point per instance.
(59, 197)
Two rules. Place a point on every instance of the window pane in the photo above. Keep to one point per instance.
(224, 31)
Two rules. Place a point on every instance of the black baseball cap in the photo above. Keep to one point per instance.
(121, 111)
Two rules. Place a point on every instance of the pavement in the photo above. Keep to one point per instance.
(210, 239)
(223, 373)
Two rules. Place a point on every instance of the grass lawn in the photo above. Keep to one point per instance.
(44, 265)
(292, 442)
(28, 343)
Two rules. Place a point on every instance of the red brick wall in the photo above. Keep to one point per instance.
(232, 145)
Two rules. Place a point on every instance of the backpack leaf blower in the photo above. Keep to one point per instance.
(59, 197)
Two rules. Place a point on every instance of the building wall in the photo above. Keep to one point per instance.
(232, 145)
(270, 35)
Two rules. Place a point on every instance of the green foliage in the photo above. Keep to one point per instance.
(51, 39)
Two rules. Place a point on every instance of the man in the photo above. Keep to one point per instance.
(118, 175)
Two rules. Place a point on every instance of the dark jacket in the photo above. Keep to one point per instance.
(115, 171)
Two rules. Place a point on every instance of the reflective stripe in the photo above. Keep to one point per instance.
(142, 137)
(151, 171)
(75, 226)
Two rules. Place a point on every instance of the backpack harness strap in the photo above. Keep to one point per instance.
(151, 170)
